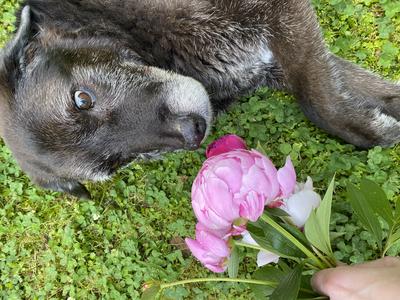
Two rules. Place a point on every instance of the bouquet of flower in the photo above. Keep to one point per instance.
(240, 199)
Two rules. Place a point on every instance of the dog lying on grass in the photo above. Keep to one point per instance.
(88, 86)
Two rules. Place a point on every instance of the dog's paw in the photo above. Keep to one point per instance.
(71, 187)
(386, 127)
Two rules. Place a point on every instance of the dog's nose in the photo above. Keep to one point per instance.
(193, 128)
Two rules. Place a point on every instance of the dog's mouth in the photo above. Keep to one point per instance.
(113, 164)
(152, 155)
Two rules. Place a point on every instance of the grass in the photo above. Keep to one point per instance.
(56, 247)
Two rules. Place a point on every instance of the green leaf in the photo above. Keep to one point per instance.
(233, 266)
(377, 200)
(152, 293)
(289, 286)
(316, 228)
(285, 148)
(397, 212)
(394, 238)
(270, 239)
(275, 212)
(365, 213)
(392, 241)
(267, 273)
(296, 233)
(306, 290)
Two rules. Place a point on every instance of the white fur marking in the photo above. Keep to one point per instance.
(266, 55)
(186, 95)
(382, 121)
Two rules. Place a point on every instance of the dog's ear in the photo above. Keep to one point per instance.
(12, 56)
(12, 64)
(71, 187)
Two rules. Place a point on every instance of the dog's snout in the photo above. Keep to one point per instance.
(192, 128)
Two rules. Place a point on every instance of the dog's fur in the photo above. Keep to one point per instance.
(153, 65)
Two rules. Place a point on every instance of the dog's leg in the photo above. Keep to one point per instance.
(337, 95)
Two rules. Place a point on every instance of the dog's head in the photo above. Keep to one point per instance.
(75, 110)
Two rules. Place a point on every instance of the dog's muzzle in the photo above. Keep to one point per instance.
(192, 129)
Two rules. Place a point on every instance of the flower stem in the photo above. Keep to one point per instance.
(294, 241)
(327, 260)
(245, 245)
(238, 280)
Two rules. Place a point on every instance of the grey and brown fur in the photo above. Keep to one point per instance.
(159, 70)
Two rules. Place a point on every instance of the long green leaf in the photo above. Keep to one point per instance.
(289, 287)
(377, 200)
(275, 212)
(316, 228)
(315, 235)
(267, 273)
(152, 293)
(272, 240)
(233, 266)
(397, 212)
(296, 233)
(394, 238)
(306, 290)
(365, 213)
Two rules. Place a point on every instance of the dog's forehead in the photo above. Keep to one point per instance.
(86, 56)
(88, 65)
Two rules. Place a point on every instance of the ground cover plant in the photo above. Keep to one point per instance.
(53, 246)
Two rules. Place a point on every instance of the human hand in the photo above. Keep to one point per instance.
(379, 279)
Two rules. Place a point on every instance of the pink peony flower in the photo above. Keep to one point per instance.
(234, 187)
(212, 251)
(225, 144)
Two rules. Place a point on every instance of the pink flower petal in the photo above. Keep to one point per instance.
(203, 255)
(213, 244)
(276, 204)
(211, 220)
(271, 173)
(216, 269)
(230, 172)
(210, 250)
(258, 180)
(222, 233)
(287, 178)
(245, 158)
(197, 250)
(253, 207)
(255, 180)
(237, 230)
(205, 214)
(219, 199)
(225, 144)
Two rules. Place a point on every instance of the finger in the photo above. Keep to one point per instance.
(389, 261)
(319, 281)
(344, 279)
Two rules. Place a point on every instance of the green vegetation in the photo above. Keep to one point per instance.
(53, 246)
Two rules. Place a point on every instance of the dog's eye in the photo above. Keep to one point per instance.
(84, 100)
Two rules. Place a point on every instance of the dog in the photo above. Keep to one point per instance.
(88, 86)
